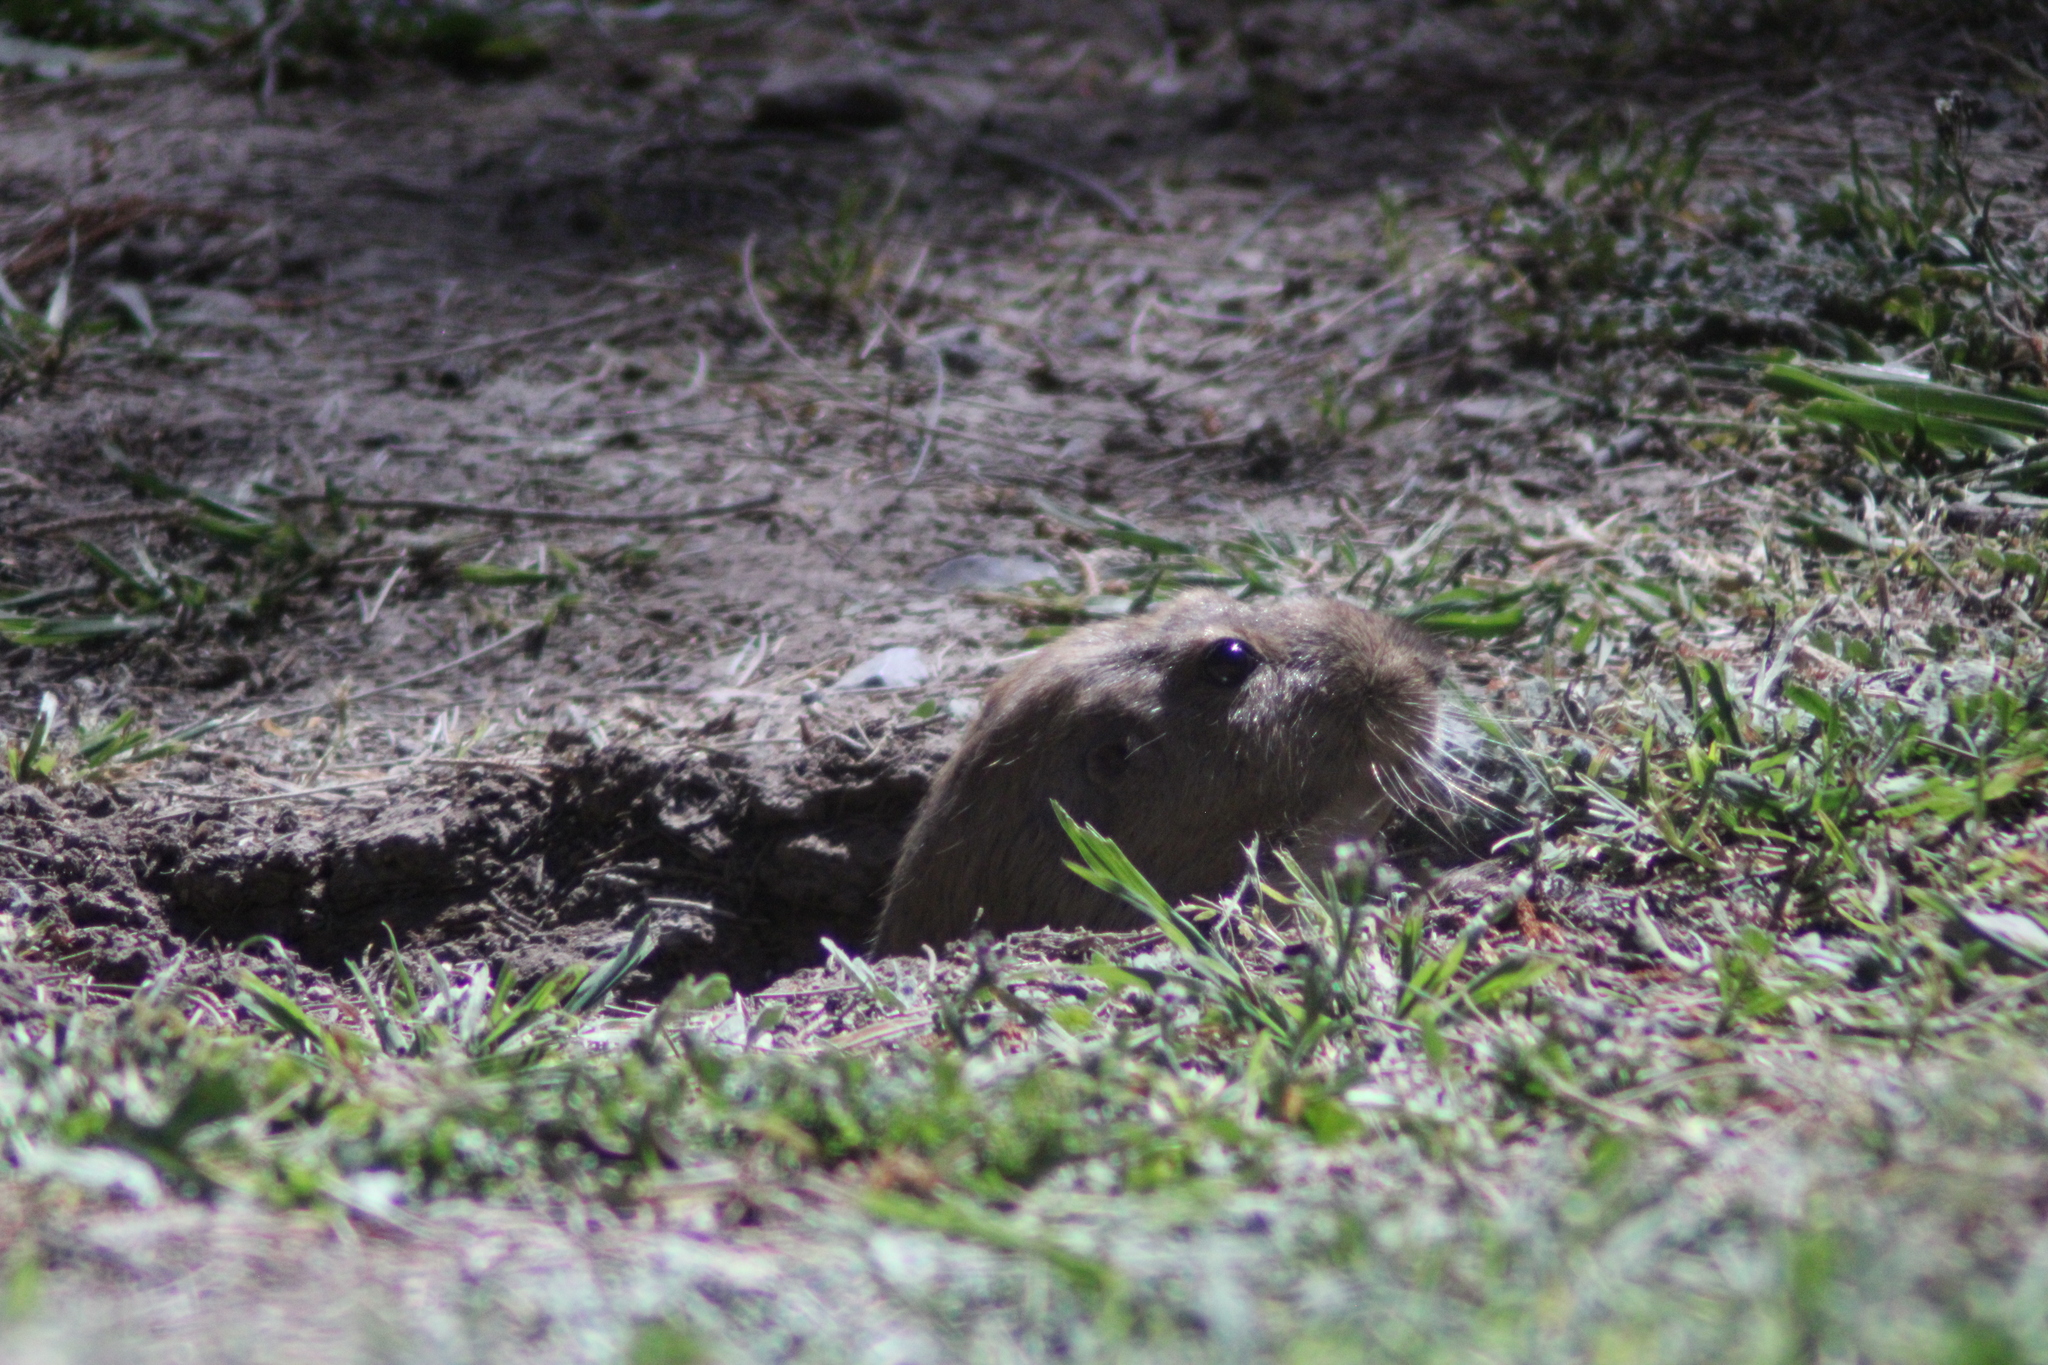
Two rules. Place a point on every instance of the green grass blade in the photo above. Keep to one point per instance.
(285, 1014)
(593, 989)
(1104, 865)
(504, 576)
(1505, 978)
(1867, 414)
(1793, 382)
(36, 632)
(380, 1015)
(1982, 408)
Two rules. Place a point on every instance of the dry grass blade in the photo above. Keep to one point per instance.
(554, 516)
(515, 338)
(1092, 185)
(846, 395)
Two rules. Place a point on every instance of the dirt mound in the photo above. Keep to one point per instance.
(739, 865)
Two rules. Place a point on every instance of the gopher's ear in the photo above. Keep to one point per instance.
(1107, 763)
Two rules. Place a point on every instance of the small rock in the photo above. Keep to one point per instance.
(101, 1170)
(902, 666)
(43, 61)
(215, 308)
(455, 378)
(954, 99)
(1500, 412)
(673, 925)
(1473, 49)
(967, 356)
(988, 571)
(816, 98)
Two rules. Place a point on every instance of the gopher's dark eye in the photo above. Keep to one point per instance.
(1228, 663)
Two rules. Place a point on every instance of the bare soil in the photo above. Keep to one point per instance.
(1114, 263)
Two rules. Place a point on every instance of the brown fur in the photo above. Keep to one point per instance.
(1120, 724)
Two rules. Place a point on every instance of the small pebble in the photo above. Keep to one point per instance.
(902, 666)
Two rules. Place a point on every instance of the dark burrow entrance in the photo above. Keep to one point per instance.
(737, 864)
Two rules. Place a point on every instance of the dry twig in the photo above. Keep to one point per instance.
(441, 507)
(434, 506)
(270, 50)
(89, 520)
(1080, 180)
(514, 338)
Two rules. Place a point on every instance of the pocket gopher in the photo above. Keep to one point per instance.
(1182, 734)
